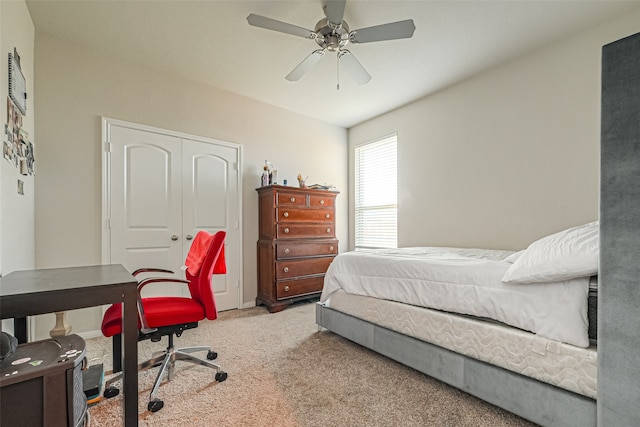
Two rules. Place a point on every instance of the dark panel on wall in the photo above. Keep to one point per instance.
(619, 276)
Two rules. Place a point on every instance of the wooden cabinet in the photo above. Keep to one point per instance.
(297, 242)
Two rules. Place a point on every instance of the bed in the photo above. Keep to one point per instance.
(512, 328)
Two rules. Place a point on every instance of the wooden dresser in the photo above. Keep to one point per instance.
(297, 242)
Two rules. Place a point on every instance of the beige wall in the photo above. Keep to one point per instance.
(76, 87)
(16, 211)
(507, 156)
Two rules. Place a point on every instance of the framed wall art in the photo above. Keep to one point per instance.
(17, 83)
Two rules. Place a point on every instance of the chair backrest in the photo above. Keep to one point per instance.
(200, 284)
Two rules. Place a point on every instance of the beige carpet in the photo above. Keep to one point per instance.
(283, 372)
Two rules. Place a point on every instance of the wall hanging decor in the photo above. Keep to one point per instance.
(17, 83)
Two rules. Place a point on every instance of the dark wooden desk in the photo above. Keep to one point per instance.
(31, 292)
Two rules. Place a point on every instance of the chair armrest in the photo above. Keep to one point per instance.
(145, 282)
(151, 270)
(145, 329)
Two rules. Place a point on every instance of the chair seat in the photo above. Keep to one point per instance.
(159, 311)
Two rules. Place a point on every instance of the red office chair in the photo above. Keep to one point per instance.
(169, 316)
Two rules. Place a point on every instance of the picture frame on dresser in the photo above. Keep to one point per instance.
(297, 242)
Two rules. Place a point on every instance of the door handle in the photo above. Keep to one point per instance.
(188, 237)
(174, 237)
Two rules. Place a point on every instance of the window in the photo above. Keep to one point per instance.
(376, 189)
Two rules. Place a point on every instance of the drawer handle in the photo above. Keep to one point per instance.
(286, 269)
(322, 202)
(286, 250)
(286, 230)
(286, 288)
(286, 214)
(293, 199)
(327, 216)
(328, 230)
(331, 248)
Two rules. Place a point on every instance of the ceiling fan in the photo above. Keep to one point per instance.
(332, 34)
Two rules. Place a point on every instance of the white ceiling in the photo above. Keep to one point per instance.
(211, 42)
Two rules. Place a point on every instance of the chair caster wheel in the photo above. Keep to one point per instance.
(211, 355)
(110, 392)
(221, 376)
(155, 405)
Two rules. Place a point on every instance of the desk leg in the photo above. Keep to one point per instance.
(20, 329)
(130, 364)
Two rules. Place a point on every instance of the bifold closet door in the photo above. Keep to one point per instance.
(163, 190)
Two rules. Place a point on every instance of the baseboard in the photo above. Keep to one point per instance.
(89, 334)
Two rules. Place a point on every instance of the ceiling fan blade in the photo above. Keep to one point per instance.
(334, 11)
(354, 67)
(305, 65)
(283, 27)
(391, 31)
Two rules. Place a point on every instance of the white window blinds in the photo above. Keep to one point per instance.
(376, 188)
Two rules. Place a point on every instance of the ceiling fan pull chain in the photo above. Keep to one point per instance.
(337, 73)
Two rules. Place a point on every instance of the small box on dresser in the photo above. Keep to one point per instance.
(297, 242)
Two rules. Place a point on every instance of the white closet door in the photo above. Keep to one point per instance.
(161, 190)
(210, 202)
(146, 203)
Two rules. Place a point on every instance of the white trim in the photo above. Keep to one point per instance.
(377, 176)
(86, 335)
(106, 190)
(239, 224)
(167, 132)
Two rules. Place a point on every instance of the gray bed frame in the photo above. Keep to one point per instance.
(536, 401)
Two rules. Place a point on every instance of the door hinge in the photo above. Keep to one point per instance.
(107, 223)
(107, 146)
(235, 166)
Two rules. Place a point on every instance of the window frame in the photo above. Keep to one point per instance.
(371, 204)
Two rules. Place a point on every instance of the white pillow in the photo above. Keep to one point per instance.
(561, 256)
(513, 257)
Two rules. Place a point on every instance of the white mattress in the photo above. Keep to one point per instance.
(562, 365)
(466, 281)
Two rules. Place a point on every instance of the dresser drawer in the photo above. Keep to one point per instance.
(288, 269)
(291, 288)
(296, 250)
(302, 215)
(296, 231)
(284, 198)
(321, 201)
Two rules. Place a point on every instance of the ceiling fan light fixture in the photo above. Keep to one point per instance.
(331, 37)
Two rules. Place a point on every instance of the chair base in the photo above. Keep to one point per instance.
(166, 360)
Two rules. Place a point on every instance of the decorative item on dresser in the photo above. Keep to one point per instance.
(297, 242)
